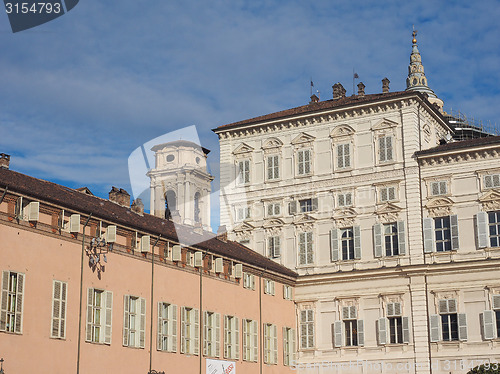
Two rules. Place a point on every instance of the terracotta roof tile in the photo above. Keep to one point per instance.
(107, 210)
(463, 144)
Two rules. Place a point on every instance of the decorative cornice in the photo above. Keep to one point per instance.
(439, 206)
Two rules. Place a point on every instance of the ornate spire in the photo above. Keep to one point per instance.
(416, 80)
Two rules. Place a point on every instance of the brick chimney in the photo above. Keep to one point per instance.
(338, 91)
(361, 89)
(138, 206)
(385, 85)
(4, 161)
(314, 99)
(222, 233)
(119, 196)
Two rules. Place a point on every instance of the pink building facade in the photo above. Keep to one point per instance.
(137, 302)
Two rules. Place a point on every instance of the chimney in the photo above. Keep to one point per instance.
(338, 91)
(4, 161)
(222, 233)
(361, 89)
(119, 196)
(314, 99)
(138, 207)
(385, 85)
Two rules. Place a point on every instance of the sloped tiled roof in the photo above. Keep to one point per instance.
(460, 145)
(107, 210)
(325, 105)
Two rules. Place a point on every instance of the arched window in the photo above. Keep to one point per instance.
(170, 203)
(197, 207)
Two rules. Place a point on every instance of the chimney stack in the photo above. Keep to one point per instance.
(338, 91)
(138, 206)
(361, 89)
(4, 161)
(314, 99)
(385, 85)
(222, 233)
(119, 196)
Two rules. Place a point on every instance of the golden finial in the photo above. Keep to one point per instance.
(414, 34)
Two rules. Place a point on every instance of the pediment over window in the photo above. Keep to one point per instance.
(490, 200)
(272, 143)
(345, 217)
(384, 124)
(303, 138)
(276, 222)
(242, 148)
(342, 130)
(439, 206)
(244, 226)
(306, 218)
(388, 212)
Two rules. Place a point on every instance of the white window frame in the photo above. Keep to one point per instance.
(248, 281)
(274, 246)
(388, 194)
(273, 209)
(287, 292)
(250, 340)
(306, 248)
(59, 301)
(307, 329)
(231, 337)
(446, 309)
(342, 338)
(12, 303)
(385, 148)
(270, 344)
(304, 162)
(211, 334)
(289, 346)
(99, 316)
(269, 286)
(273, 167)
(343, 153)
(243, 172)
(430, 234)
(134, 321)
(242, 213)
(167, 327)
(190, 334)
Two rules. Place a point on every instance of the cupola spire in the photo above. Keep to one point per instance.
(416, 80)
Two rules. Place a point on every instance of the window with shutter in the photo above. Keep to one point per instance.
(387, 194)
(273, 209)
(274, 244)
(491, 181)
(307, 329)
(347, 243)
(334, 245)
(443, 234)
(343, 156)
(306, 256)
(167, 327)
(385, 149)
(189, 331)
(231, 338)
(243, 172)
(488, 324)
(439, 188)
(99, 316)
(288, 346)
(11, 313)
(134, 321)
(344, 199)
(270, 344)
(211, 339)
(59, 291)
(273, 171)
(453, 324)
(304, 162)
(494, 228)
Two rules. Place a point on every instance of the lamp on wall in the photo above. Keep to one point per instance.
(155, 372)
(96, 251)
(1, 366)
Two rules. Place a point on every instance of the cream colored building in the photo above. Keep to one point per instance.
(395, 237)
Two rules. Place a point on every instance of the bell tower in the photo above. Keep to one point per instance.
(180, 183)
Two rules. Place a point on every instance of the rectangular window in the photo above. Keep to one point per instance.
(287, 292)
(167, 327)
(273, 209)
(243, 172)
(344, 199)
(306, 255)
(391, 239)
(231, 338)
(347, 243)
(11, 315)
(58, 329)
(494, 228)
(250, 340)
(387, 194)
(442, 232)
(273, 169)
(288, 346)
(350, 326)
(211, 334)
(306, 205)
(439, 188)
(269, 287)
(270, 344)
(306, 329)
(249, 281)
(134, 321)
(385, 148)
(396, 330)
(343, 156)
(304, 162)
(189, 331)
(448, 325)
(242, 213)
(99, 315)
(492, 181)
(274, 246)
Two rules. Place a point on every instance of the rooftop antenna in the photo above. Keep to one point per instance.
(312, 85)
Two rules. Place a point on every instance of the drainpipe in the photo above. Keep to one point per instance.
(3, 195)
(152, 304)
(81, 298)
(200, 325)
(261, 335)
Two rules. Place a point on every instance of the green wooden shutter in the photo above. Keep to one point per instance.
(183, 329)
(255, 339)
(126, 321)
(142, 326)
(90, 310)
(159, 328)
(18, 324)
(236, 342)
(377, 240)
(4, 303)
(196, 327)
(108, 315)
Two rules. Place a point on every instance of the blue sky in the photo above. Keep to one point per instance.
(80, 93)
